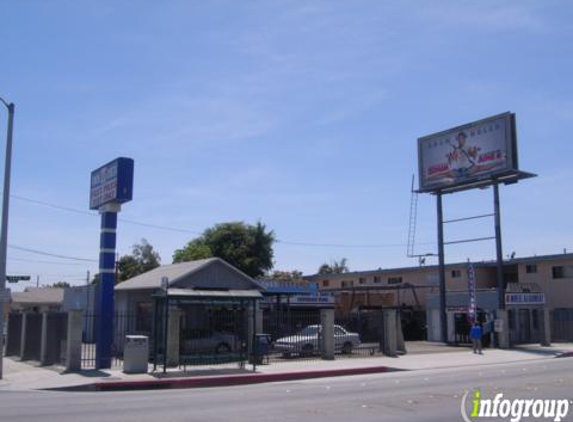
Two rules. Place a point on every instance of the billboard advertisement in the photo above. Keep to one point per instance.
(112, 182)
(468, 154)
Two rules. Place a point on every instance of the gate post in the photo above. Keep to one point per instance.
(503, 333)
(327, 334)
(74, 342)
(173, 337)
(44, 340)
(23, 335)
(390, 335)
(258, 318)
(545, 327)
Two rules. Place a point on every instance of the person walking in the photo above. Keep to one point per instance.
(476, 334)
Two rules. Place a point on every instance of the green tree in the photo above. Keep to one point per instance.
(61, 284)
(247, 247)
(194, 250)
(335, 267)
(292, 276)
(142, 259)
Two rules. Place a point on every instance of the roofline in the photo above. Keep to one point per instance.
(207, 262)
(482, 264)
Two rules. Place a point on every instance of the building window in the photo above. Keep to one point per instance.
(394, 280)
(456, 273)
(531, 268)
(376, 279)
(325, 283)
(347, 283)
(563, 271)
(362, 280)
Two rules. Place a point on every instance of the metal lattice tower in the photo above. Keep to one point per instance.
(413, 220)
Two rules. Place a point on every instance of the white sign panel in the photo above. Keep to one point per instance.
(468, 153)
(103, 185)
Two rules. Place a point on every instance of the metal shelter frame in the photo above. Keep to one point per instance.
(165, 298)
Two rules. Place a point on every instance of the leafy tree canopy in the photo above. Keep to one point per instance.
(335, 267)
(292, 276)
(142, 259)
(247, 247)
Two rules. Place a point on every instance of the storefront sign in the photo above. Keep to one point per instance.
(525, 298)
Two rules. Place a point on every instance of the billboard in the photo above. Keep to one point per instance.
(112, 182)
(468, 154)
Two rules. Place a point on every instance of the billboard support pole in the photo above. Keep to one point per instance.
(498, 246)
(442, 269)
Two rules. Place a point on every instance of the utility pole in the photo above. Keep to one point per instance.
(38, 281)
(4, 228)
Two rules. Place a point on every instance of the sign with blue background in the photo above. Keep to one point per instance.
(525, 298)
(112, 182)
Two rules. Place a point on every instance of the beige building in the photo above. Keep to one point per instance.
(552, 273)
(416, 288)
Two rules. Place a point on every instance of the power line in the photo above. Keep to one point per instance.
(39, 261)
(21, 248)
(341, 245)
(183, 230)
(94, 214)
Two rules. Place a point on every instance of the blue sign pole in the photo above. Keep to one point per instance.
(105, 300)
(111, 186)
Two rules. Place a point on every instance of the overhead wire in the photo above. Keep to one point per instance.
(183, 230)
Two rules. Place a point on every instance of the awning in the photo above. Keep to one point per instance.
(175, 293)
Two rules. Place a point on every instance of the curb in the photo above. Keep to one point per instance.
(226, 381)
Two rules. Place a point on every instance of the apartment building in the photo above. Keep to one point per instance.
(532, 284)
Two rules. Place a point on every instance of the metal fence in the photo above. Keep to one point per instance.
(213, 334)
(368, 325)
(124, 324)
(562, 325)
(290, 334)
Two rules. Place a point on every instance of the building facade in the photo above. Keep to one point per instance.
(548, 279)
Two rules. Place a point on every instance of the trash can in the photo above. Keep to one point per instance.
(135, 354)
(261, 347)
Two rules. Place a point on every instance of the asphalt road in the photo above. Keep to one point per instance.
(431, 395)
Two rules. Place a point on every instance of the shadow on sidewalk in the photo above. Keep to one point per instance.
(538, 350)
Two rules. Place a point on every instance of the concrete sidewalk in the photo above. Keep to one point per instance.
(26, 376)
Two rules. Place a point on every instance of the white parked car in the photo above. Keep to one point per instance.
(307, 341)
(206, 341)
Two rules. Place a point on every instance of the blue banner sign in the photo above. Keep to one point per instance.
(112, 182)
(525, 298)
(472, 308)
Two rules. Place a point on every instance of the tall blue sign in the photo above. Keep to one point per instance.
(111, 185)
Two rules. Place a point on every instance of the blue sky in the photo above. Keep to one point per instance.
(301, 114)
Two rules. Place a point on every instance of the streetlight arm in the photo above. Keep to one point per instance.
(5, 103)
